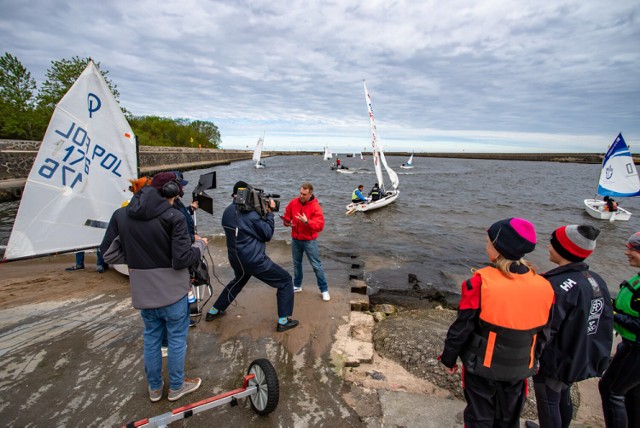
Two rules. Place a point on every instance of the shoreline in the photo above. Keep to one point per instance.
(76, 331)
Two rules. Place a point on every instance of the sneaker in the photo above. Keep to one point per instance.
(325, 296)
(189, 385)
(531, 424)
(211, 317)
(297, 289)
(72, 268)
(288, 326)
(155, 394)
(165, 351)
(101, 269)
(192, 322)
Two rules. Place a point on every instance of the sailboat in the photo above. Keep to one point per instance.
(387, 195)
(80, 175)
(257, 153)
(327, 153)
(409, 164)
(619, 178)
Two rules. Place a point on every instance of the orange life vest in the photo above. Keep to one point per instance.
(512, 312)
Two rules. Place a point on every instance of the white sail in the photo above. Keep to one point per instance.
(327, 153)
(410, 161)
(378, 154)
(257, 153)
(80, 174)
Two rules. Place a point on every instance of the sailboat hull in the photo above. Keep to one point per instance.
(595, 208)
(369, 206)
(406, 166)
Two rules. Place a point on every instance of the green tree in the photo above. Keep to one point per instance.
(161, 131)
(60, 77)
(17, 100)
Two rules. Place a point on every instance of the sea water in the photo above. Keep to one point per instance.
(436, 228)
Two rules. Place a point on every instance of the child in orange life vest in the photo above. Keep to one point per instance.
(501, 325)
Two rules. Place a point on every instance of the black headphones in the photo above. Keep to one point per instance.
(171, 189)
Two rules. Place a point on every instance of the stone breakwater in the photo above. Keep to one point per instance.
(17, 157)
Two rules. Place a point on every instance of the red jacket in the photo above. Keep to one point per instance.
(300, 230)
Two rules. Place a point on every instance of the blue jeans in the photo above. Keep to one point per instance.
(174, 320)
(80, 258)
(311, 248)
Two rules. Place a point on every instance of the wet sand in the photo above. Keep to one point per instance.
(71, 347)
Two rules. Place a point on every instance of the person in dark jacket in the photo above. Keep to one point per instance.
(158, 251)
(501, 325)
(247, 234)
(620, 385)
(582, 325)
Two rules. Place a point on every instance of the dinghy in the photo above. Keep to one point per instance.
(257, 153)
(80, 175)
(409, 164)
(388, 196)
(618, 178)
(327, 153)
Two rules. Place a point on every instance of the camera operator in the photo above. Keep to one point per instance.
(247, 233)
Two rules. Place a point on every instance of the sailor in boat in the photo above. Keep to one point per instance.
(357, 196)
(375, 193)
(338, 163)
(610, 204)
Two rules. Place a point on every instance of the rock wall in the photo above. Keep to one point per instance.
(16, 158)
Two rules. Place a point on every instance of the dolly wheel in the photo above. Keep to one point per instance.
(265, 400)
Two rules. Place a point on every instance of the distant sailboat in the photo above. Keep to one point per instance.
(619, 178)
(80, 175)
(409, 164)
(327, 153)
(257, 153)
(386, 196)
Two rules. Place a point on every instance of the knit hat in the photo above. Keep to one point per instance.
(239, 185)
(512, 237)
(575, 242)
(162, 178)
(634, 242)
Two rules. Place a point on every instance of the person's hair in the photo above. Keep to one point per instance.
(504, 265)
(308, 186)
(361, 185)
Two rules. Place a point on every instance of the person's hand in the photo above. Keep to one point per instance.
(302, 217)
(285, 222)
(198, 238)
(451, 370)
(194, 205)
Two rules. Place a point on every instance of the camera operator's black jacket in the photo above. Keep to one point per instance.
(247, 234)
(581, 327)
(157, 249)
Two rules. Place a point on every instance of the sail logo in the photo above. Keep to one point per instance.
(609, 172)
(93, 104)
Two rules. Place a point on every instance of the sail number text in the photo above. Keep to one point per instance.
(78, 157)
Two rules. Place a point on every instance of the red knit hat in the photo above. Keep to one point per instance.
(575, 242)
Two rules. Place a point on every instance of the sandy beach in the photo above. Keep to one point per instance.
(71, 347)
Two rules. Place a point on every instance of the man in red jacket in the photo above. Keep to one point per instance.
(304, 216)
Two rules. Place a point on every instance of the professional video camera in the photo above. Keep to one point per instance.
(250, 198)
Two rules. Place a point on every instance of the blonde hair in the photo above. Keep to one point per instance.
(504, 265)
(308, 186)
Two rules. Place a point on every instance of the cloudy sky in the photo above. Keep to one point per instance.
(447, 76)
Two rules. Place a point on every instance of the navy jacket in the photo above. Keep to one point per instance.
(157, 249)
(247, 234)
(581, 327)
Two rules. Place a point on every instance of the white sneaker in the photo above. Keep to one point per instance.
(325, 296)
(165, 351)
(297, 289)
